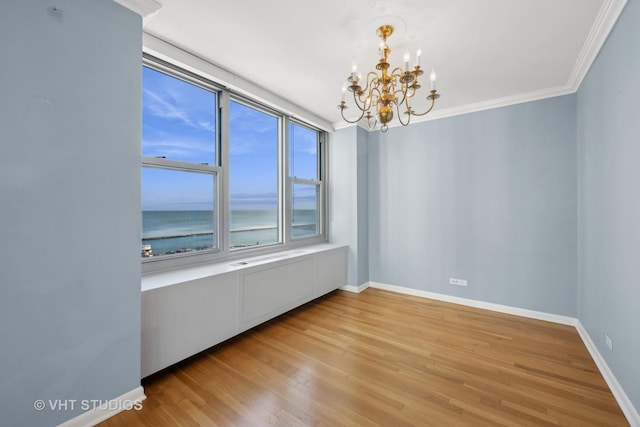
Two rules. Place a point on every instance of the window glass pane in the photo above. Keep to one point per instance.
(178, 119)
(253, 171)
(177, 211)
(303, 152)
(305, 215)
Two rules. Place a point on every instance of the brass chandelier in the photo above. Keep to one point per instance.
(384, 91)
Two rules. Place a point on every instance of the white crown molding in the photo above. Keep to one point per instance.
(602, 26)
(476, 107)
(141, 7)
(108, 410)
(343, 125)
(494, 103)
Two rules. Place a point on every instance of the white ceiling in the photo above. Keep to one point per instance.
(486, 53)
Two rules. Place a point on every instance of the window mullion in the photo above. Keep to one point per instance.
(286, 187)
(225, 200)
(321, 183)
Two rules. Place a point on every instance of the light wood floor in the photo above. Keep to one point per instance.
(385, 359)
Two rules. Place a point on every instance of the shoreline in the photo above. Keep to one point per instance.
(238, 230)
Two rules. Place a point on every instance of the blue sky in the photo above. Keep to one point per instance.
(179, 123)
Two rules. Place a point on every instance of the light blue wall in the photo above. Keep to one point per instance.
(70, 112)
(348, 202)
(609, 200)
(489, 197)
(363, 205)
(343, 188)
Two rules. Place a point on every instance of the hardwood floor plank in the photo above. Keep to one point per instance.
(385, 359)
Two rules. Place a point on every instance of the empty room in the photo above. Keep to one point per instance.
(337, 213)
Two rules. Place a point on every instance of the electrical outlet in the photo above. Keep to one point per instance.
(608, 341)
(457, 282)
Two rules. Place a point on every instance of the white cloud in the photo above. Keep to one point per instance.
(159, 106)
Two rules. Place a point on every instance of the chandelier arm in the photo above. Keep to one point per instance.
(373, 95)
(357, 102)
(373, 90)
(349, 121)
(400, 115)
(412, 93)
(361, 100)
(403, 92)
(433, 102)
(371, 78)
(397, 73)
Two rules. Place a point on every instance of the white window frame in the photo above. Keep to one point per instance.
(319, 182)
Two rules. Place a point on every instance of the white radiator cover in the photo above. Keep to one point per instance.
(187, 312)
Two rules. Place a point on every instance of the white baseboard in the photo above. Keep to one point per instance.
(532, 314)
(621, 397)
(108, 410)
(633, 417)
(355, 289)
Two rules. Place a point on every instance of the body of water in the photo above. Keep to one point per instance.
(167, 232)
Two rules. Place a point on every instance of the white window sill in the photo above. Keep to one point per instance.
(168, 278)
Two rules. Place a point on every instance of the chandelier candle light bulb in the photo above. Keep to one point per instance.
(387, 88)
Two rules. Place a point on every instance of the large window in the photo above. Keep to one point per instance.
(179, 169)
(222, 173)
